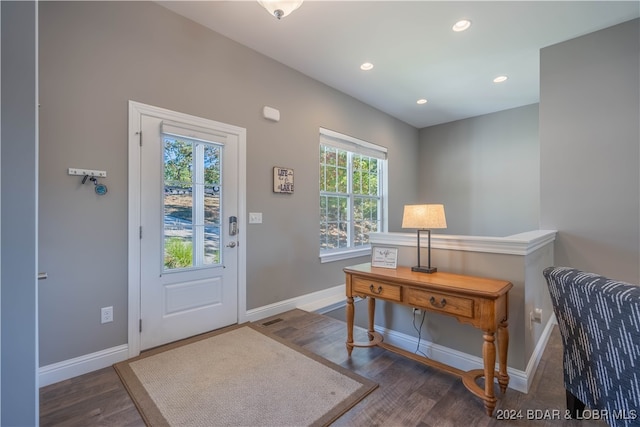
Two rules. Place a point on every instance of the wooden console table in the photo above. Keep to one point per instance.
(481, 302)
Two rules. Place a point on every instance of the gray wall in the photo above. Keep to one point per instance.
(19, 221)
(94, 57)
(589, 145)
(486, 172)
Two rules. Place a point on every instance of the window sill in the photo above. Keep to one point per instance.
(347, 254)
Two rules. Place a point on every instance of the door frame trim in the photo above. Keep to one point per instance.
(136, 109)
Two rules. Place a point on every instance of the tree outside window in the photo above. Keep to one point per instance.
(350, 198)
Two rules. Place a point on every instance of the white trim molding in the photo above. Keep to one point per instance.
(136, 110)
(339, 256)
(66, 369)
(534, 360)
(517, 244)
(518, 380)
(321, 301)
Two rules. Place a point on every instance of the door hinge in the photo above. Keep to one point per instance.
(140, 326)
(141, 232)
(139, 137)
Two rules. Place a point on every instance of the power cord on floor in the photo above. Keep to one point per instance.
(419, 330)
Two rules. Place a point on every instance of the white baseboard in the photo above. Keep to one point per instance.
(66, 369)
(519, 380)
(319, 302)
(334, 298)
(534, 360)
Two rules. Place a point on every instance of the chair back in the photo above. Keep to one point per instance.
(599, 321)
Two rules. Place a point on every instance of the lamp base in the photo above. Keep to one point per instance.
(424, 269)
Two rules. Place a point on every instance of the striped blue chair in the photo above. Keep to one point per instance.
(599, 321)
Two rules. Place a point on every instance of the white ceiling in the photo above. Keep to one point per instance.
(414, 51)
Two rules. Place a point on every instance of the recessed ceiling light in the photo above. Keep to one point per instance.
(421, 101)
(461, 25)
(500, 79)
(366, 66)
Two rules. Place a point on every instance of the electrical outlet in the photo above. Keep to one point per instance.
(106, 314)
(417, 311)
(535, 316)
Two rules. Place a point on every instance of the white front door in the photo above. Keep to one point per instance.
(188, 244)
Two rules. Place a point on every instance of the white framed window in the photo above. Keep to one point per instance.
(352, 195)
(192, 175)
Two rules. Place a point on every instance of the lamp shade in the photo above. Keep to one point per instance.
(424, 217)
(279, 8)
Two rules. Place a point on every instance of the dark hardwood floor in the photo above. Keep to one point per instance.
(410, 394)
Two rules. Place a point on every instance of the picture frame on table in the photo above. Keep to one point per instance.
(384, 256)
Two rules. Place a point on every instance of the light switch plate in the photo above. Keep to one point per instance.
(255, 217)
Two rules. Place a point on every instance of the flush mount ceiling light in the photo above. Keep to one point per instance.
(461, 25)
(366, 66)
(421, 101)
(500, 79)
(278, 8)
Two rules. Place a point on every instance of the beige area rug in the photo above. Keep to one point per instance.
(239, 376)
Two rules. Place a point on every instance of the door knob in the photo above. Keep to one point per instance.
(231, 245)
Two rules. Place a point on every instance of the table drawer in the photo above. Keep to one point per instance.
(376, 289)
(434, 301)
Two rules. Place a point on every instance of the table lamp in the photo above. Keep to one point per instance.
(424, 218)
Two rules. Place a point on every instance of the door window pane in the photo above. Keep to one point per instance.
(178, 160)
(212, 225)
(192, 203)
(212, 164)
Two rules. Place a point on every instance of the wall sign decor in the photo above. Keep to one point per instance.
(282, 180)
(384, 257)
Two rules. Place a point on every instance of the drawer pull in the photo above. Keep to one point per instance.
(442, 303)
(373, 290)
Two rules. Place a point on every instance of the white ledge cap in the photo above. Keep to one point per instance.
(517, 244)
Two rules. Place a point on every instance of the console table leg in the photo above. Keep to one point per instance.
(350, 315)
(503, 346)
(372, 310)
(489, 357)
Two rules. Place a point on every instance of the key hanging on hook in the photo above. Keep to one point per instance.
(100, 189)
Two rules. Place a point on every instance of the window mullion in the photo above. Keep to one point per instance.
(198, 204)
(380, 180)
(350, 228)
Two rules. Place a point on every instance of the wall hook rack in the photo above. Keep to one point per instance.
(91, 175)
(89, 172)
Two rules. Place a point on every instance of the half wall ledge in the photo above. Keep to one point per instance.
(517, 244)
